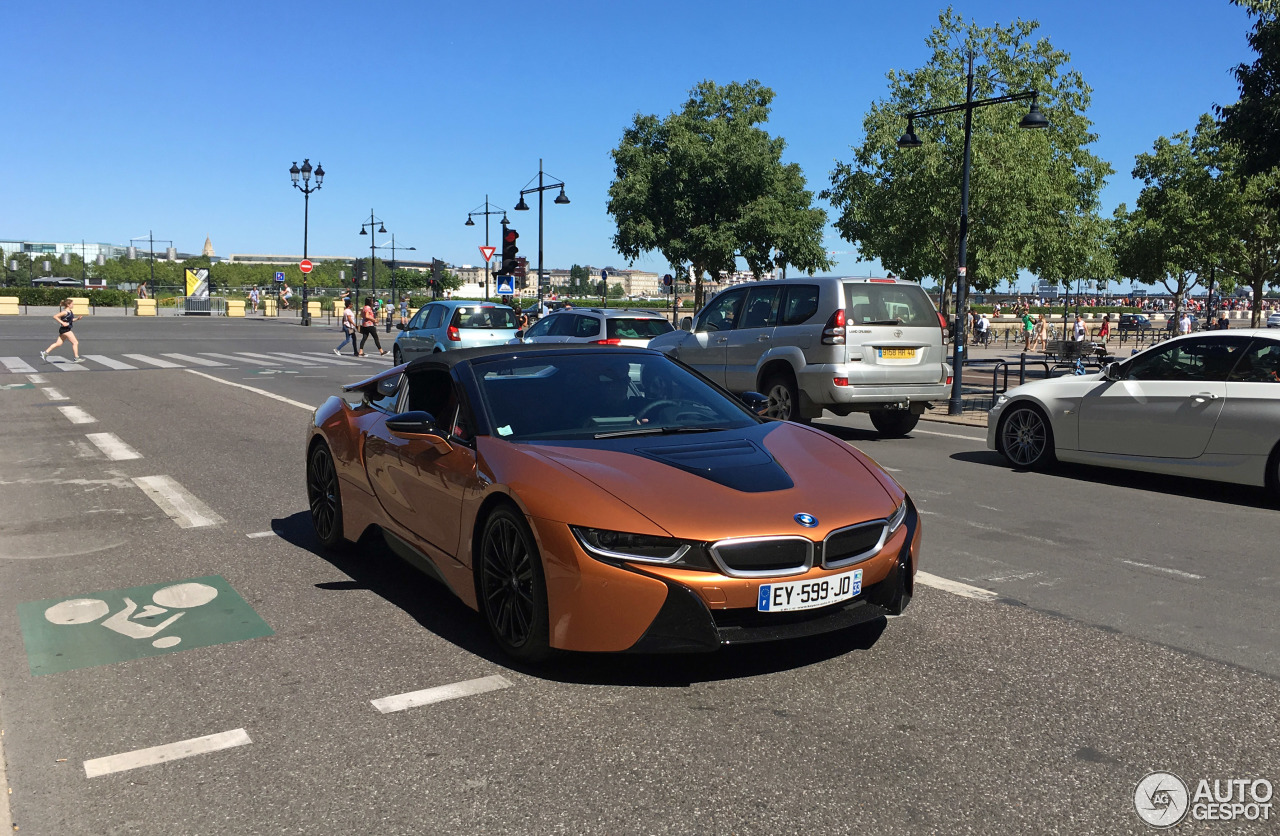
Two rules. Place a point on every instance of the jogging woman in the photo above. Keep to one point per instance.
(369, 326)
(65, 317)
(348, 329)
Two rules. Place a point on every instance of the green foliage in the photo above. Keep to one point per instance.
(1253, 123)
(52, 296)
(706, 186)
(1028, 189)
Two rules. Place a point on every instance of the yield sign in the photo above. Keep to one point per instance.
(487, 252)
(305, 265)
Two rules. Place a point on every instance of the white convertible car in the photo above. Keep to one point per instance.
(1205, 405)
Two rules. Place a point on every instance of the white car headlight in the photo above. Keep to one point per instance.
(620, 545)
(896, 518)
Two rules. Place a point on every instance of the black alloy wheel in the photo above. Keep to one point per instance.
(1026, 439)
(324, 496)
(894, 423)
(513, 591)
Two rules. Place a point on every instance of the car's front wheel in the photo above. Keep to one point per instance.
(513, 590)
(1025, 438)
(784, 398)
(894, 423)
(396, 357)
(324, 495)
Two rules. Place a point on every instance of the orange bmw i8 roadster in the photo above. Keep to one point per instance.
(595, 498)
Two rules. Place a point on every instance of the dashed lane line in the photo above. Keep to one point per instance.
(258, 534)
(53, 394)
(1175, 572)
(168, 752)
(413, 699)
(256, 390)
(36, 378)
(111, 445)
(76, 415)
(177, 502)
(964, 590)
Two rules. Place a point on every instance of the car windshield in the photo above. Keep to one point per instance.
(888, 304)
(484, 316)
(598, 395)
(637, 328)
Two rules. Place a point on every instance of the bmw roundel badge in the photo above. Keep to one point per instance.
(807, 520)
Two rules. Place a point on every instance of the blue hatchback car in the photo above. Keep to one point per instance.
(447, 325)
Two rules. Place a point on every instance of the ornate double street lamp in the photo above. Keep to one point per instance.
(1033, 120)
(151, 240)
(524, 207)
(306, 188)
(395, 299)
(373, 270)
(488, 210)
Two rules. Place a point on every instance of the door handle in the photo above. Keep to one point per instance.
(762, 338)
(1204, 397)
(722, 339)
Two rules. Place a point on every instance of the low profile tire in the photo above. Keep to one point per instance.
(324, 495)
(784, 399)
(1026, 439)
(513, 590)
(894, 423)
(395, 356)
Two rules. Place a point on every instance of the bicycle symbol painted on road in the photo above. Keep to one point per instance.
(100, 628)
(181, 596)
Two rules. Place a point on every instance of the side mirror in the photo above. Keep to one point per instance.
(520, 333)
(1111, 372)
(755, 402)
(686, 323)
(400, 326)
(418, 424)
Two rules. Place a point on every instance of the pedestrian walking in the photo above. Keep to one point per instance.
(404, 311)
(1078, 330)
(1028, 328)
(65, 317)
(254, 297)
(369, 326)
(1040, 336)
(1104, 330)
(348, 330)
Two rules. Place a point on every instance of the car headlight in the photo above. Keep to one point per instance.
(895, 519)
(613, 546)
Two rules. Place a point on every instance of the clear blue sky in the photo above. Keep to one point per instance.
(184, 118)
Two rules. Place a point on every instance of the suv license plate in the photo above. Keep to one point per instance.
(897, 353)
(810, 594)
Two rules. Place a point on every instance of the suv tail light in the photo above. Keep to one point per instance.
(607, 342)
(454, 335)
(833, 331)
(942, 322)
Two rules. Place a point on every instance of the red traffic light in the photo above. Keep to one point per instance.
(510, 235)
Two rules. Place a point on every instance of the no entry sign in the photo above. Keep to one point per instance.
(305, 265)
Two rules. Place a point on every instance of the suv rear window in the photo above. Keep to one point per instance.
(478, 316)
(868, 303)
(637, 329)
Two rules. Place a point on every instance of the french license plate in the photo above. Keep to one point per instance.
(897, 353)
(810, 594)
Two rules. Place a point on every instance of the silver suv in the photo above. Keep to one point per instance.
(606, 326)
(841, 344)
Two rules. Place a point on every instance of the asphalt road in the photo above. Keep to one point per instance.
(1132, 629)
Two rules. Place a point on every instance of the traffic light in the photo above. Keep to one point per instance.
(509, 252)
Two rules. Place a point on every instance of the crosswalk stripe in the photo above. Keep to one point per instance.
(64, 365)
(195, 361)
(239, 361)
(331, 360)
(164, 364)
(277, 356)
(107, 361)
(375, 359)
(17, 365)
(113, 447)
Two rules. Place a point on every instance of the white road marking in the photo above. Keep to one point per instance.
(111, 445)
(36, 378)
(107, 361)
(53, 394)
(76, 415)
(243, 357)
(414, 699)
(17, 365)
(64, 365)
(177, 502)
(262, 392)
(195, 361)
(279, 356)
(955, 587)
(981, 438)
(255, 535)
(163, 364)
(316, 358)
(239, 361)
(1179, 573)
(168, 752)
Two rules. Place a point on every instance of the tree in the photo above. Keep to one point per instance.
(902, 206)
(707, 185)
(1253, 123)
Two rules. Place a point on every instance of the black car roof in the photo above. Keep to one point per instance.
(449, 359)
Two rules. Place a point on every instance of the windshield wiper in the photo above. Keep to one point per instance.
(659, 431)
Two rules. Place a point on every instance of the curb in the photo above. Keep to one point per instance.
(5, 789)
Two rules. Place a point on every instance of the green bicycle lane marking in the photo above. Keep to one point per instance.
(105, 627)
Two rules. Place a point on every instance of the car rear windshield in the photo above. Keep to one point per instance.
(637, 329)
(872, 303)
(483, 316)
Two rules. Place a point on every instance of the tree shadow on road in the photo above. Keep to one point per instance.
(372, 566)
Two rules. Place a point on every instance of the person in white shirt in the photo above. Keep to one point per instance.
(1184, 324)
(1080, 330)
(348, 329)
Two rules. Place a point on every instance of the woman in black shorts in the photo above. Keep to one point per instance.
(65, 317)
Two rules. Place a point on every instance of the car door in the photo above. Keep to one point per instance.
(422, 339)
(1250, 421)
(387, 460)
(751, 337)
(409, 340)
(1166, 403)
(539, 332)
(706, 348)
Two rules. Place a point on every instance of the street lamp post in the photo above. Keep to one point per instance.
(524, 207)
(365, 228)
(306, 188)
(488, 210)
(151, 241)
(394, 298)
(1033, 119)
